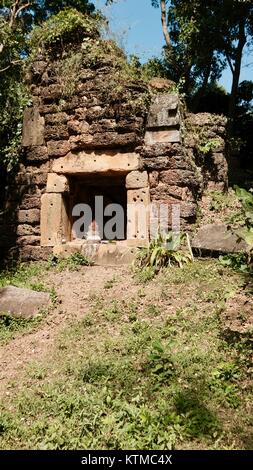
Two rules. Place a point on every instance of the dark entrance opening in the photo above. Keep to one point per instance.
(84, 190)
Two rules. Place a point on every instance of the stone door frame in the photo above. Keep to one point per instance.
(55, 221)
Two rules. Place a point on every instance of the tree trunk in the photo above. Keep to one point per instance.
(201, 91)
(165, 23)
(236, 74)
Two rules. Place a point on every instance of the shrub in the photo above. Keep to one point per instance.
(68, 26)
(246, 234)
(165, 251)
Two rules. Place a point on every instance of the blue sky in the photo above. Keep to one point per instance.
(136, 25)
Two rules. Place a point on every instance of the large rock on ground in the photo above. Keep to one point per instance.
(22, 303)
(218, 238)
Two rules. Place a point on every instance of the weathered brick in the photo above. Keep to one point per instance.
(31, 240)
(56, 118)
(27, 230)
(58, 132)
(58, 149)
(37, 153)
(30, 216)
(30, 202)
(137, 179)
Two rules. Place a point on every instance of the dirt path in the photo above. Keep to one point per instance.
(75, 291)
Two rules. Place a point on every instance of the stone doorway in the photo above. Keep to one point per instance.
(100, 193)
(127, 189)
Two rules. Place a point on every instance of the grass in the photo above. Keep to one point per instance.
(72, 263)
(31, 276)
(28, 275)
(150, 371)
(11, 327)
(23, 276)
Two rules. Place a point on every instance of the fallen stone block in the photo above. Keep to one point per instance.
(218, 238)
(22, 303)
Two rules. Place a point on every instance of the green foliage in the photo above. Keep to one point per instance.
(224, 381)
(68, 73)
(100, 51)
(241, 262)
(145, 274)
(21, 37)
(245, 95)
(220, 201)
(209, 146)
(246, 234)
(68, 26)
(160, 364)
(53, 7)
(155, 67)
(72, 262)
(13, 100)
(246, 199)
(214, 99)
(21, 275)
(10, 327)
(164, 252)
(236, 261)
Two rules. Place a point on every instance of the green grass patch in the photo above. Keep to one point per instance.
(10, 327)
(23, 275)
(134, 374)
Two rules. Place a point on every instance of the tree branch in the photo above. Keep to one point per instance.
(13, 12)
(23, 7)
(230, 62)
(14, 62)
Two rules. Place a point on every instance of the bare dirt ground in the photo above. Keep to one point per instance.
(74, 291)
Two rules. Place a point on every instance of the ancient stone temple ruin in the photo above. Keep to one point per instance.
(94, 132)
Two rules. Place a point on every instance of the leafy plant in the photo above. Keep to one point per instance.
(246, 234)
(209, 146)
(73, 262)
(67, 26)
(236, 261)
(164, 251)
(224, 382)
(14, 98)
(160, 364)
(219, 201)
(68, 73)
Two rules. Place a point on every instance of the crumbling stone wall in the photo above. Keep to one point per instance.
(106, 123)
(205, 140)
